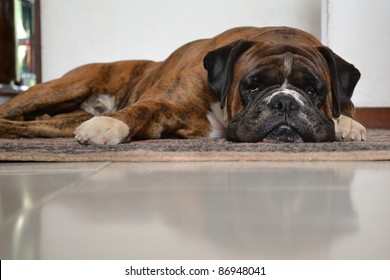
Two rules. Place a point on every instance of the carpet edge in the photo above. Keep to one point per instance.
(197, 156)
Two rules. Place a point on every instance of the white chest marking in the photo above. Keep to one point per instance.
(97, 105)
(218, 121)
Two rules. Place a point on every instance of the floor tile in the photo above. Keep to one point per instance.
(23, 185)
(212, 211)
(223, 176)
(21, 191)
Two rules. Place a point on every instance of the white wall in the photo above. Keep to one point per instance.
(359, 31)
(76, 32)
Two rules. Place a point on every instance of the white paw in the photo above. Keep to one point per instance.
(102, 131)
(348, 129)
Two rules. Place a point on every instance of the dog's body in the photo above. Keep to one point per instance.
(248, 84)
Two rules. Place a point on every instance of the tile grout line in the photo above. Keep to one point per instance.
(51, 196)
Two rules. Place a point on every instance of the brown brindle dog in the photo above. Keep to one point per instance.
(247, 84)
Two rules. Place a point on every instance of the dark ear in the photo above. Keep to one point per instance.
(220, 63)
(344, 77)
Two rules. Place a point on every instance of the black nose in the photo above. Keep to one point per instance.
(284, 103)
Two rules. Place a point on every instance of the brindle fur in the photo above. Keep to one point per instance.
(155, 99)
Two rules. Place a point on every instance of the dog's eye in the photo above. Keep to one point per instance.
(253, 89)
(256, 87)
(311, 91)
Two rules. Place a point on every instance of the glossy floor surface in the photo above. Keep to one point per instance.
(195, 210)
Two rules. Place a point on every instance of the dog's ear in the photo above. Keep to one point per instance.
(344, 77)
(220, 63)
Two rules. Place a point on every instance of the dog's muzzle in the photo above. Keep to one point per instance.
(284, 107)
(281, 115)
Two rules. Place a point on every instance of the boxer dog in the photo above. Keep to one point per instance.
(247, 84)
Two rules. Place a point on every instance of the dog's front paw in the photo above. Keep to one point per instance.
(347, 129)
(102, 131)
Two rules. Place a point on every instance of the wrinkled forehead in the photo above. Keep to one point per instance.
(281, 61)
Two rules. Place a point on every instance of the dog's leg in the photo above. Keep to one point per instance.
(114, 128)
(68, 93)
(347, 129)
(148, 119)
(65, 94)
(59, 126)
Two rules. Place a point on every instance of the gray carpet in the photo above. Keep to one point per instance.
(377, 147)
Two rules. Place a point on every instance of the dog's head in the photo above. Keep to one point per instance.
(280, 91)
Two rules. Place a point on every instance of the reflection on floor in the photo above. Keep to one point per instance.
(209, 210)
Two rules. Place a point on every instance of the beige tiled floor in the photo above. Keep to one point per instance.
(195, 210)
